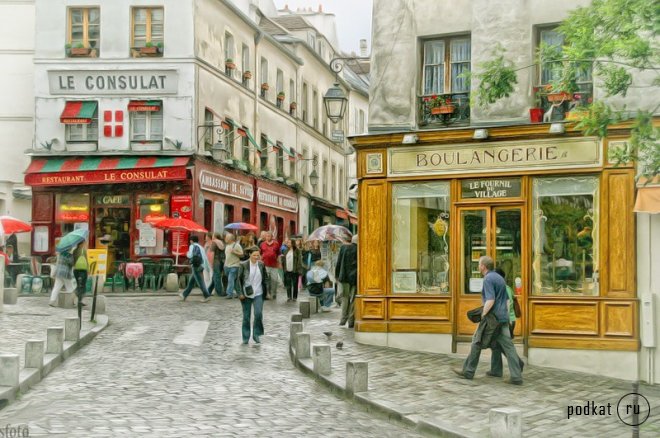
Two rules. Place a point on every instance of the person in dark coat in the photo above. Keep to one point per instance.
(346, 274)
(253, 283)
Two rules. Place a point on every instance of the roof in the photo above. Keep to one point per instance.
(269, 26)
(292, 22)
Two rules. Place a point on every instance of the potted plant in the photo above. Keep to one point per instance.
(149, 49)
(293, 106)
(441, 105)
(247, 75)
(79, 50)
(229, 64)
(280, 96)
(265, 86)
(536, 113)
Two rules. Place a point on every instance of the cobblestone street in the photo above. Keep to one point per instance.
(134, 380)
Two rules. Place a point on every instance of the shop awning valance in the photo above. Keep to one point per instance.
(144, 105)
(104, 170)
(648, 200)
(80, 112)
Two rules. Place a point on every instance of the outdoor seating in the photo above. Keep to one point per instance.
(133, 272)
(117, 279)
(166, 266)
(149, 276)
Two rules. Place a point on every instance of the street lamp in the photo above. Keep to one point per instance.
(335, 100)
(314, 178)
(219, 151)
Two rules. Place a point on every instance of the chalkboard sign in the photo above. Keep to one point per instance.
(490, 188)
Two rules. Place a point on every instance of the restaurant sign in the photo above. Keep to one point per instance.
(113, 82)
(495, 157)
(490, 188)
(113, 176)
(216, 183)
(277, 200)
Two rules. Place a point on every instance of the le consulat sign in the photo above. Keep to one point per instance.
(495, 157)
(113, 82)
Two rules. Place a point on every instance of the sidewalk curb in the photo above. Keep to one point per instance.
(29, 377)
(409, 418)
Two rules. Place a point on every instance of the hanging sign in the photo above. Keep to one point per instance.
(224, 185)
(491, 188)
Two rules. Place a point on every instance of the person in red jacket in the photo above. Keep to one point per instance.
(270, 251)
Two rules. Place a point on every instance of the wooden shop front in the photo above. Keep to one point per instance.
(552, 211)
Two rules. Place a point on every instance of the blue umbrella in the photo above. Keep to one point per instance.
(72, 239)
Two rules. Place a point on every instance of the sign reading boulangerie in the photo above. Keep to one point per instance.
(117, 82)
(495, 156)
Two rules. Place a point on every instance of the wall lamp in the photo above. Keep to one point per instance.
(335, 100)
(480, 134)
(557, 128)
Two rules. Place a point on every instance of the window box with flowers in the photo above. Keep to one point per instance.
(280, 96)
(536, 112)
(78, 50)
(441, 105)
(150, 49)
(229, 64)
(265, 86)
(247, 75)
(292, 108)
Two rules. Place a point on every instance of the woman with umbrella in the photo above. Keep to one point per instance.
(65, 262)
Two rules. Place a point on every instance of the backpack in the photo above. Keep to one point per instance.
(196, 260)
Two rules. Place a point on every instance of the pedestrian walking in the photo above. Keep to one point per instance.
(346, 274)
(233, 254)
(493, 330)
(63, 276)
(252, 286)
(80, 273)
(217, 247)
(270, 250)
(198, 263)
(291, 261)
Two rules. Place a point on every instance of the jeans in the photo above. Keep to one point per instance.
(502, 343)
(274, 281)
(198, 278)
(347, 303)
(326, 297)
(291, 284)
(216, 281)
(258, 324)
(232, 272)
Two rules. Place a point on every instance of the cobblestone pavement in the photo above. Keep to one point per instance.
(28, 319)
(423, 386)
(134, 381)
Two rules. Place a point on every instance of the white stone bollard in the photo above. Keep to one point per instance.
(304, 308)
(313, 305)
(303, 344)
(71, 329)
(295, 328)
(9, 370)
(357, 376)
(100, 305)
(65, 300)
(172, 282)
(54, 340)
(321, 358)
(10, 296)
(505, 423)
(34, 354)
(296, 317)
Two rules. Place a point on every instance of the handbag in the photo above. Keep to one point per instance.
(248, 291)
(516, 307)
(474, 315)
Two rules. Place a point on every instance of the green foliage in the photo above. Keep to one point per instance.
(160, 45)
(79, 46)
(149, 44)
(616, 39)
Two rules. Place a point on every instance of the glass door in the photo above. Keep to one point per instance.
(508, 248)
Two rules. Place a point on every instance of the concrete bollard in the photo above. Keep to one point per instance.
(313, 305)
(505, 423)
(34, 354)
(303, 344)
(295, 328)
(172, 282)
(54, 340)
(11, 295)
(65, 300)
(9, 370)
(100, 305)
(71, 329)
(357, 376)
(296, 317)
(304, 308)
(321, 358)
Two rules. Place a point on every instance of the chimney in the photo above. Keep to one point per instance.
(286, 7)
(320, 8)
(363, 48)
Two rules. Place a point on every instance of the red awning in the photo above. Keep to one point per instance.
(342, 214)
(353, 220)
(104, 170)
(80, 112)
(144, 105)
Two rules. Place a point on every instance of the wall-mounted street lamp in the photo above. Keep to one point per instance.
(219, 151)
(313, 175)
(335, 100)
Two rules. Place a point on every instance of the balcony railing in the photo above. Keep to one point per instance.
(559, 106)
(433, 115)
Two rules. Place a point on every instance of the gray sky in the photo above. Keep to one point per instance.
(353, 19)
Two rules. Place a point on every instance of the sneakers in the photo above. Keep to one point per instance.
(459, 372)
(257, 340)
(490, 374)
(182, 297)
(229, 297)
(325, 309)
(514, 382)
(206, 299)
(52, 304)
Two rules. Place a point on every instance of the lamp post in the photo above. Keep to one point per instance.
(335, 100)
(313, 175)
(219, 151)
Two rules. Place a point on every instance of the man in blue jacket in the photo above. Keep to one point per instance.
(198, 262)
(495, 321)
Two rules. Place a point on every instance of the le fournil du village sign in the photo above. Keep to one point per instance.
(113, 82)
(495, 157)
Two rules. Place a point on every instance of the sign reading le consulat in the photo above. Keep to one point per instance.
(109, 82)
(495, 157)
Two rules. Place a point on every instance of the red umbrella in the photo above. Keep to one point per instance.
(180, 224)
(10, 225)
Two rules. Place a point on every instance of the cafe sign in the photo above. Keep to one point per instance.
(277, 200)
(490, 188)
(112, 200)
(113, 82)
(495, 157)
(224, 185)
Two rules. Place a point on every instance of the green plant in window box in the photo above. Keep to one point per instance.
(149, 49)
(79, 49)
(280, 95)
(229, 64)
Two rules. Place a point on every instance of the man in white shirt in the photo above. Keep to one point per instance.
(252, 286)
(233, 254)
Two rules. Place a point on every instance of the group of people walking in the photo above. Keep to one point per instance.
(255, 269)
